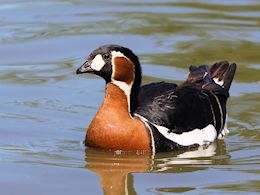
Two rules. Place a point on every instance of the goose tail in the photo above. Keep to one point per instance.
(223, 73)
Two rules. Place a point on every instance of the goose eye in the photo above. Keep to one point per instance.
(105, 56)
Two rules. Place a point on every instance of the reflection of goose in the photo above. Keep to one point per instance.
(114, 169)
(188, 158)
(159, 116)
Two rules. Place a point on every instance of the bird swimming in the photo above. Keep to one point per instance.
(159, 116)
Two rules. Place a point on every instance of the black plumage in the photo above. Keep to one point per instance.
(196, 103)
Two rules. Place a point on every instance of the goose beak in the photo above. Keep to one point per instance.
(85, 68)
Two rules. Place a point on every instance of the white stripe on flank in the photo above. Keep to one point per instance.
(196, 136)
(97, 63)
(212, 112)
(145, 121)
(220, 110)
(224, 131)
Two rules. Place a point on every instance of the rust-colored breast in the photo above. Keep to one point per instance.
(114, 128)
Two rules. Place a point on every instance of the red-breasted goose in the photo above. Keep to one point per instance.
(156, 117)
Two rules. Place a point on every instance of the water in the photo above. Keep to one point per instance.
(45, 108)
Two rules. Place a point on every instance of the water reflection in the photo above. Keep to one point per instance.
(115, 168)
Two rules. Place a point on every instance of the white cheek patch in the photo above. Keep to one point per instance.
(97, 63)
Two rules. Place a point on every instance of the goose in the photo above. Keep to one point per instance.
(160, 116)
